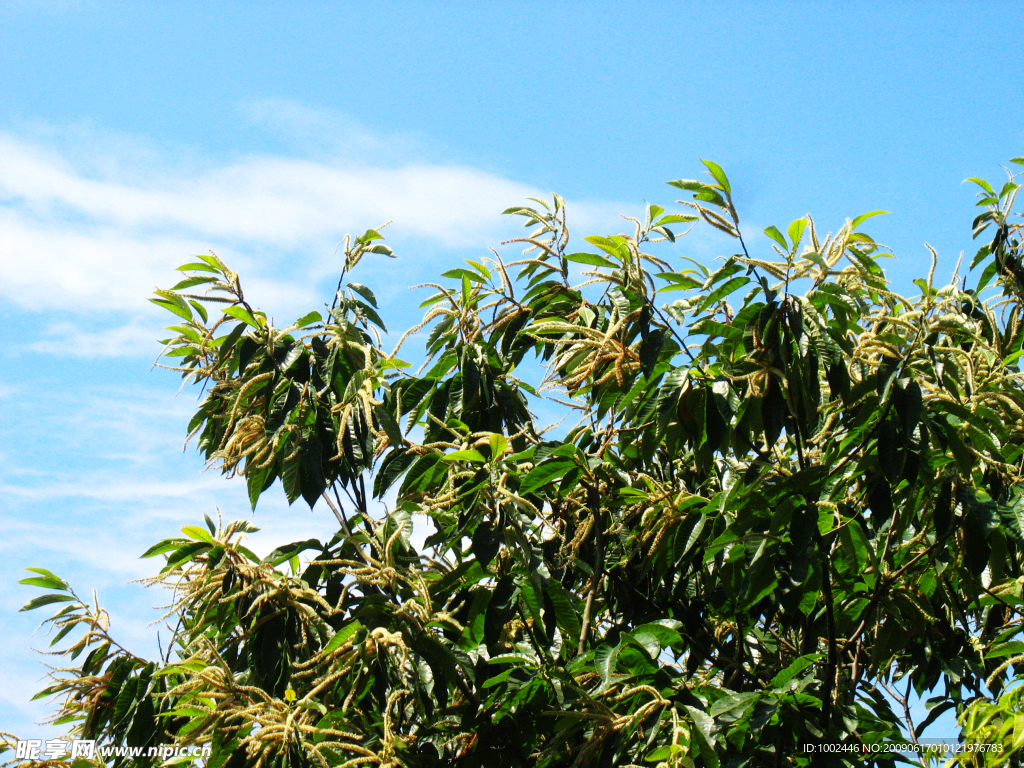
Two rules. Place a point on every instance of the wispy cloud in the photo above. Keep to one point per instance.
(273, 200)
(324, 132)
(90, 224)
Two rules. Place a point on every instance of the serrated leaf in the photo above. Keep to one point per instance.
(605, 659)
(796, 231)
(193, 266)
(365, 292)
(703, 735)
(722, 291)
(163, 546)
(469, 455)
(42, 600)
(180, 307)
(341, 636)
(674, 218)
(308, 319)
(197, 533)
(544, 473)
(498, 444)
(650, 351)
(184, 553)
(795, 667)
(777, 236)
(1012, 648)
(983, 184)
(719, 175)
(389, 424)
(190, 282)
(864, 217)
(241, 313)
(591, 258)
(44, 582)
(463, 274)
(46, 579)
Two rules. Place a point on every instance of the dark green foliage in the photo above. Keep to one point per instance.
(789, 489)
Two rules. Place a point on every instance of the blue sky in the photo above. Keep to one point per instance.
(134, 134)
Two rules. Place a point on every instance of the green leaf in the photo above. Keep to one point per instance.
(591, 258)
(499, 678)
(565, 615)
(984, 185)
(485, 543)
(240, 313)
(722, 291)
(197, 533)
(674, 218)
(688, 184)
(470, 455)
(778, 237)
(1007, 188)
(719, 175)
(389, 424)
(341, 636)
(371, 313)
(42, 600)
(976, 546)
(854, 545)
(185, 553)
(655, 635)
(46, 580)
(681, 278)
(733, 703)
(605, 659)
(164, 546)
(193, 266)
(498, 444)
(796, 232)
(288, 551)
(500, 609)
(463, 274)
(369, 236)
(200, 309)
(190, 282)
(394, 466)
(365, 292)
(864, 217)
(1012, 648)
(650, 350)
(816, 258)
(714, 328)
(309, 319)
(544, 473)
(987, 275)
(797, 666)
(532, 600)
(705, 741)
(174, 304)
(186, 712)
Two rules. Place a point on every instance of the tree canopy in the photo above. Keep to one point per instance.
(779, 490)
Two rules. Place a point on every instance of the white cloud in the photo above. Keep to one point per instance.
(329, 132)
(70, 340)
(266, 199)
(91, 223)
